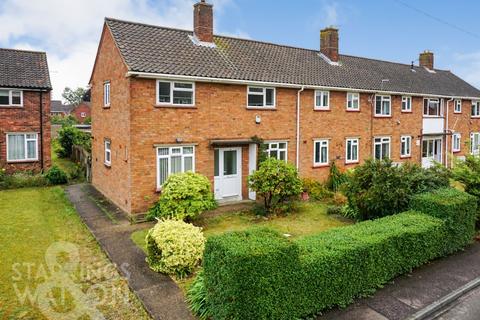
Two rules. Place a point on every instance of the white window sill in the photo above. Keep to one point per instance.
(261, 108)
(321, 108)
(428, 116)
(320, 165)
(474, 117)
(353, 110)
(457, 112)
(170, 105)
(406, 111)
(352, 162)
(11, 105)
(22, 161)
(383, 116)
(108, 165)
(406, 156)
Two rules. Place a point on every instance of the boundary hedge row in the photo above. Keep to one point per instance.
(259, 274)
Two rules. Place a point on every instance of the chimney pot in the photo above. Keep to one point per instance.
(203, 21)
(329, 43)
(426, 59)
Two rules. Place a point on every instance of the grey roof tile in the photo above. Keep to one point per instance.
(154, 49)
(24, 69)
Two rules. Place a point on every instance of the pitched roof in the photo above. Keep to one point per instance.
(24, 69)
(154, 49)
(58, 106)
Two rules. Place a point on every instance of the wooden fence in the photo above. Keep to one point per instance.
(84, 158)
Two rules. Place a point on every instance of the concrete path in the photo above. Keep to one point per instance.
(465, 308)
(159, 294)
(410, 293)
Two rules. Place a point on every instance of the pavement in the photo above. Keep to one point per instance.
(466, 307)
(160, 295)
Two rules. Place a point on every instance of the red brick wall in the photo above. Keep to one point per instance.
(464, 124)
(26, 119)
(81, 108)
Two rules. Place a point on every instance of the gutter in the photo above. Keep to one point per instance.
(297, 155)
(148, 75)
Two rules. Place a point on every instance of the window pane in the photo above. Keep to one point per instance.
(324, 158)
(4, 99)
(162, 170)
(187, 150)
(325, 99)
(317, 152)
(378, 105)
(269, 97)
(349, 150)
(16, 97)
(162, 151)
(354, 152)
(282, 145)
(188, 163)
(164, 92)
(216, 163)
(182, 97)
(378, 151)
(176, 150)
(282, 155)
(386, 107)
(385, 150)
(229, 162)
(255, 100)
(31, 149)
(16, 147)
(257, 90)
(274, 154)
(176, 164)
(183, 85)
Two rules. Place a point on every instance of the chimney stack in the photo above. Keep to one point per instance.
(329, 43)
(426, 59)
(203, 21)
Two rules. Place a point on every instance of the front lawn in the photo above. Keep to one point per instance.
(34, 220)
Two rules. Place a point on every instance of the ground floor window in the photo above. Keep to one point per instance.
(108, 152)
(320, 153)
(172, 160)
(351, 152)
(475, 143)
(456, 137)
(382, 147)
(276, 150)
(405, 146)
(22, 147)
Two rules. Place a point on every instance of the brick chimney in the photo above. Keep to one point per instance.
(329, 43)
(203, 21)
(426, 59)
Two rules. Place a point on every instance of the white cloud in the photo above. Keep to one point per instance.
(467, 66)
(69, 30)
(331, 15)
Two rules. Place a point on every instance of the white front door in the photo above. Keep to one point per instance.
(228, 174)
(431, 151)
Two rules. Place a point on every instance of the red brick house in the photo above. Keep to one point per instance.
(166, 100)
(24, 110)
(81, 112)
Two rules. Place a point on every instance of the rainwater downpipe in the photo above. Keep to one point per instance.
(297, 160)
(446, 134)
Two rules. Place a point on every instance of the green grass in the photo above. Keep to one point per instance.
(30, 221)
(67, 165)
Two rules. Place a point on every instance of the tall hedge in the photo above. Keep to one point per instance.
(259, 274)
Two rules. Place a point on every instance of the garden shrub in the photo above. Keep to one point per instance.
(367, 184)
(277, 183)
(56, 176)
(468, 173)
(285, 279)
(336, 178)
(184, 196)
(196, 297)
(174, 247)
(68, 136)
(24, 179)
(316, 190)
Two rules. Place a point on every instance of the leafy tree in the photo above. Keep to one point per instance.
(64, 120)
(73, 96)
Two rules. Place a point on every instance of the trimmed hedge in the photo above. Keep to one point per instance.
(259, 274)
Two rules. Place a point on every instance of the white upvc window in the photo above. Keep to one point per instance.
(172, 160)
(22, 147)
(458, 106)
(353, 101)
(276, 150)
(260, 97)
(475, 109)
(405, 146)
(108, 152)
(11, 98)
(381, 147)
(383, 106)
(83, 114)
(406, 104)
(351, 150)
(456, 142)
(475, 143)
(106, 94)
(432, 107)
(322, 100)
(320, 152)
(175, 93)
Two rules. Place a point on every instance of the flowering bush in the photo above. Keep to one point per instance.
(174, 247)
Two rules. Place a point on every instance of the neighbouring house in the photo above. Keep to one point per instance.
(24, 110)
(81, 112)
(167, 100)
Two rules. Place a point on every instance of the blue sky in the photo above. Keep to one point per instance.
(396, 30)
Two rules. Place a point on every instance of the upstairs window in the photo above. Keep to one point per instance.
(322, 100)
(320, 153)
(353, 101)
(456, 139)
(11, 98)
(260, 97)
(383, 107)
(406, 104)
(172, 160)
(175, 93)
(405, 146)
(22, 147)
(458, 106)
(475, 108)
(381, 148)
(106, 94)
(277, 150)
(431, 108)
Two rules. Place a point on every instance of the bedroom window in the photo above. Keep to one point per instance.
(383, 106)
(406, 104)
(11, 98)
(353, 101)
(322, 100)
(458, 106)
(431, 108)
(260, 97)
(175, 93)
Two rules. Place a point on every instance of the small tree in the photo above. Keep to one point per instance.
(73, 96)
(277, 182)
(468, 173)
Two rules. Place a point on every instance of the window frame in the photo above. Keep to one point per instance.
(472, 151)
(24, 134)
(322, 94)
(382, 138)
(410, 100)
(10, 98)
(357, 142)
(455, 136)
(476, 105)
(382, 98)
(278, 149)
(409, 146)
(352, 95)
(172, 90)
(327, 144)
(108, 151)
(106, 94)
(458, 102)
(169, 157)
(264, 95)
(440, 108)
